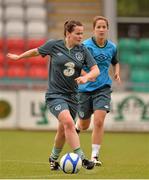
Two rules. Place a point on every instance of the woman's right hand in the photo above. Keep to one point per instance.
(13, 56)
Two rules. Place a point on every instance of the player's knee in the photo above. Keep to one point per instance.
(98, 123)
(69, 125)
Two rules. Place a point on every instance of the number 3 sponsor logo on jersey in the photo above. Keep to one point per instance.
(69, 71)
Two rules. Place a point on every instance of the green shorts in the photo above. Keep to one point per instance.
(96, 100)
(58, 103)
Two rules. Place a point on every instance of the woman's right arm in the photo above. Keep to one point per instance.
(26, 54)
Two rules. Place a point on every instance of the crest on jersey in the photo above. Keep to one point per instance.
(81, 114)
(58, 107)
(79, 56)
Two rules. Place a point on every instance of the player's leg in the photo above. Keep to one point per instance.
(69, 129)
(97, 135)
(57, 148)
(84, 112)
(72, 137)
(60, 109)
(101, 105)
(55, 106)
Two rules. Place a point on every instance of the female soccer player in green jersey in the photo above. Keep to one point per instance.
(68, 57)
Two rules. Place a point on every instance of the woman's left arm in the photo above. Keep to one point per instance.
(94, 72)
(116, 69)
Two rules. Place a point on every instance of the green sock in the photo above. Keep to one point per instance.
(55, 153)
(80, 153)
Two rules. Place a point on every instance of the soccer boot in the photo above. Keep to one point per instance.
(96, 161)
(78, 131)
(88, 164)
(54, 165)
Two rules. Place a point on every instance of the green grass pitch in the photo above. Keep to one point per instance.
(24, 155)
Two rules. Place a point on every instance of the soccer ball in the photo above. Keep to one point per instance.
(70, 163)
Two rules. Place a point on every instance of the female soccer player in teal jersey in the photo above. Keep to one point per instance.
(95, 96)
(68, 57)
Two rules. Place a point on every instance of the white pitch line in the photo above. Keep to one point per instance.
(33, 177)
(21, 161)
(45, 176)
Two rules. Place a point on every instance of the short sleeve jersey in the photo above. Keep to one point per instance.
(104, 56)
(65, 66)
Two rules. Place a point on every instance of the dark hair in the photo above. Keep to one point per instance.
(70, 25)
(96, 18)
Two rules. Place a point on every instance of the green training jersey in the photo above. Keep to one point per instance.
(65, 65)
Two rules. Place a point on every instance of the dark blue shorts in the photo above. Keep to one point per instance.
(60, 103)
(96, 100)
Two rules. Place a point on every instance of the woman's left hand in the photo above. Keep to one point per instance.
(81, 80)
(117, 78)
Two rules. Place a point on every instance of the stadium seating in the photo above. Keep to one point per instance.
(35, 42)
(36, 13)
(135, 60)
(38, 68)
(135, 53)
(1, 13)
(2, 59)
(1, 44)
(37, 61)
(16, 72)
(2, 72)
(36, 29)
(1, 29)
(23, 24)
(22, 63)
(140, 80)
(13, 2)
(14, 28)
(145, 60)
(127, 45)
(144, 45)
(125, 57)
(37, 72)
(16, 44)
(14, 13)
(34, 3)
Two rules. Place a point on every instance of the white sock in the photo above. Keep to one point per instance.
(77, 126)
(95, 150)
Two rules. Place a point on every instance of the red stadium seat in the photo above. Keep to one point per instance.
(38, 61)
(34, 43)
(19, 63)
(2, 72)
(2, 59)
(15, 44)
(16, 72)
(38, 73)
(1, 44)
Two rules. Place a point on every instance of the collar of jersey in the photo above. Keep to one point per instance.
(94, 40)
(67, 47)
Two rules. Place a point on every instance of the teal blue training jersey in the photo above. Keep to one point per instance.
(65, 66)
(104, 56)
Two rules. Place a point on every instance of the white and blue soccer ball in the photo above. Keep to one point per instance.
(70, 163)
